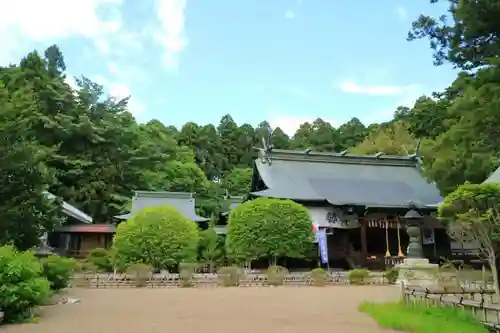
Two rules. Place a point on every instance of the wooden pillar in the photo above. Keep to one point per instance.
(364, 246)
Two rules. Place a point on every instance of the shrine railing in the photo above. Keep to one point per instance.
(110, 280)
(479, 301)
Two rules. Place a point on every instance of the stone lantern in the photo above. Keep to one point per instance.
(415, 266)
(414, 221)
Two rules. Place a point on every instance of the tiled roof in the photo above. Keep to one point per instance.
(344, 179)
(184, 202)
(494, 177)
(72, 211)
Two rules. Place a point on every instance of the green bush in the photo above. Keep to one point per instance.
(268, 227)
(319, 277)
(230, 276)
(58, 270)
(140, 273)
(186, 274)
(276, 275)
(22, 286)
(101, 259)
(391, 275)
(358, 276)
(158, 236)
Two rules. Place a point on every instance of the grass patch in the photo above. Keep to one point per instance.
(418, 318)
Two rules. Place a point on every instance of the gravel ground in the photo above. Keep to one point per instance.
(221, 310)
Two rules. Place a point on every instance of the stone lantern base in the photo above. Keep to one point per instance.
(417, 271)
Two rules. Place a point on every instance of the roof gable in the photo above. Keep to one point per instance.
(72, 211)
(341, 179)
(494, 177)
(182, 201)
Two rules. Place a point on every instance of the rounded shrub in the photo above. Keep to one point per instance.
(268, 228)
(391, 275)
(230, 276)
(186, 274)
(58, 270)
(101, 259)
(157, 236)
(276, 275)
(358, 276)
(140, 273)
(319, 277)
(22, 286)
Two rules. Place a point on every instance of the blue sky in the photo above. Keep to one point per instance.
(285, 61)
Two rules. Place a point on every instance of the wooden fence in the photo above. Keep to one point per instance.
(479, 301)
(211, 280)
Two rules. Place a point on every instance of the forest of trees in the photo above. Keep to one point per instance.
(87, 149)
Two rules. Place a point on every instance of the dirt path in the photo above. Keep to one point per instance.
(222, 310)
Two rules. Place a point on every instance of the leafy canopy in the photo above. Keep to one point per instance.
(268, 228)
(472, 212)
(157, 236)
(22, 286)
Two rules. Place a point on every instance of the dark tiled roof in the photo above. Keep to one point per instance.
(184, 202)
(383, 181)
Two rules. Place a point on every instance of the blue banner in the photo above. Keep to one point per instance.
(322, 245)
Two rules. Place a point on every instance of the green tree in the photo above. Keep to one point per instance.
(280, 139)
(473, 216)
(467, 35)
(268, 228)
(351, 133)
(238, 181)
(22, 286)
(26, 211)
(58, 270)
(392, 139)
(158, 236)
(210, 247)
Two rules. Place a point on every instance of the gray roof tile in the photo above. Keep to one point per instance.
(387, 181)
(71, 210)
(184, 202)
(494, 177)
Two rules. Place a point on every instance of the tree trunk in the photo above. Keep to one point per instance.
(273, 261)
(494, 265)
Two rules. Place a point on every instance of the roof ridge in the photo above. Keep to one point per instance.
(310, 156)
(163, 194)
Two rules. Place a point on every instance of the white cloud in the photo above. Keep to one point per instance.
(289, 14)
(171, 35)
(402, 14)
(406, 99)
(70, 80)
(23, 22)
(102, 46)
(120, 91)
(375, 90)
(113, 68)
(290, 124)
